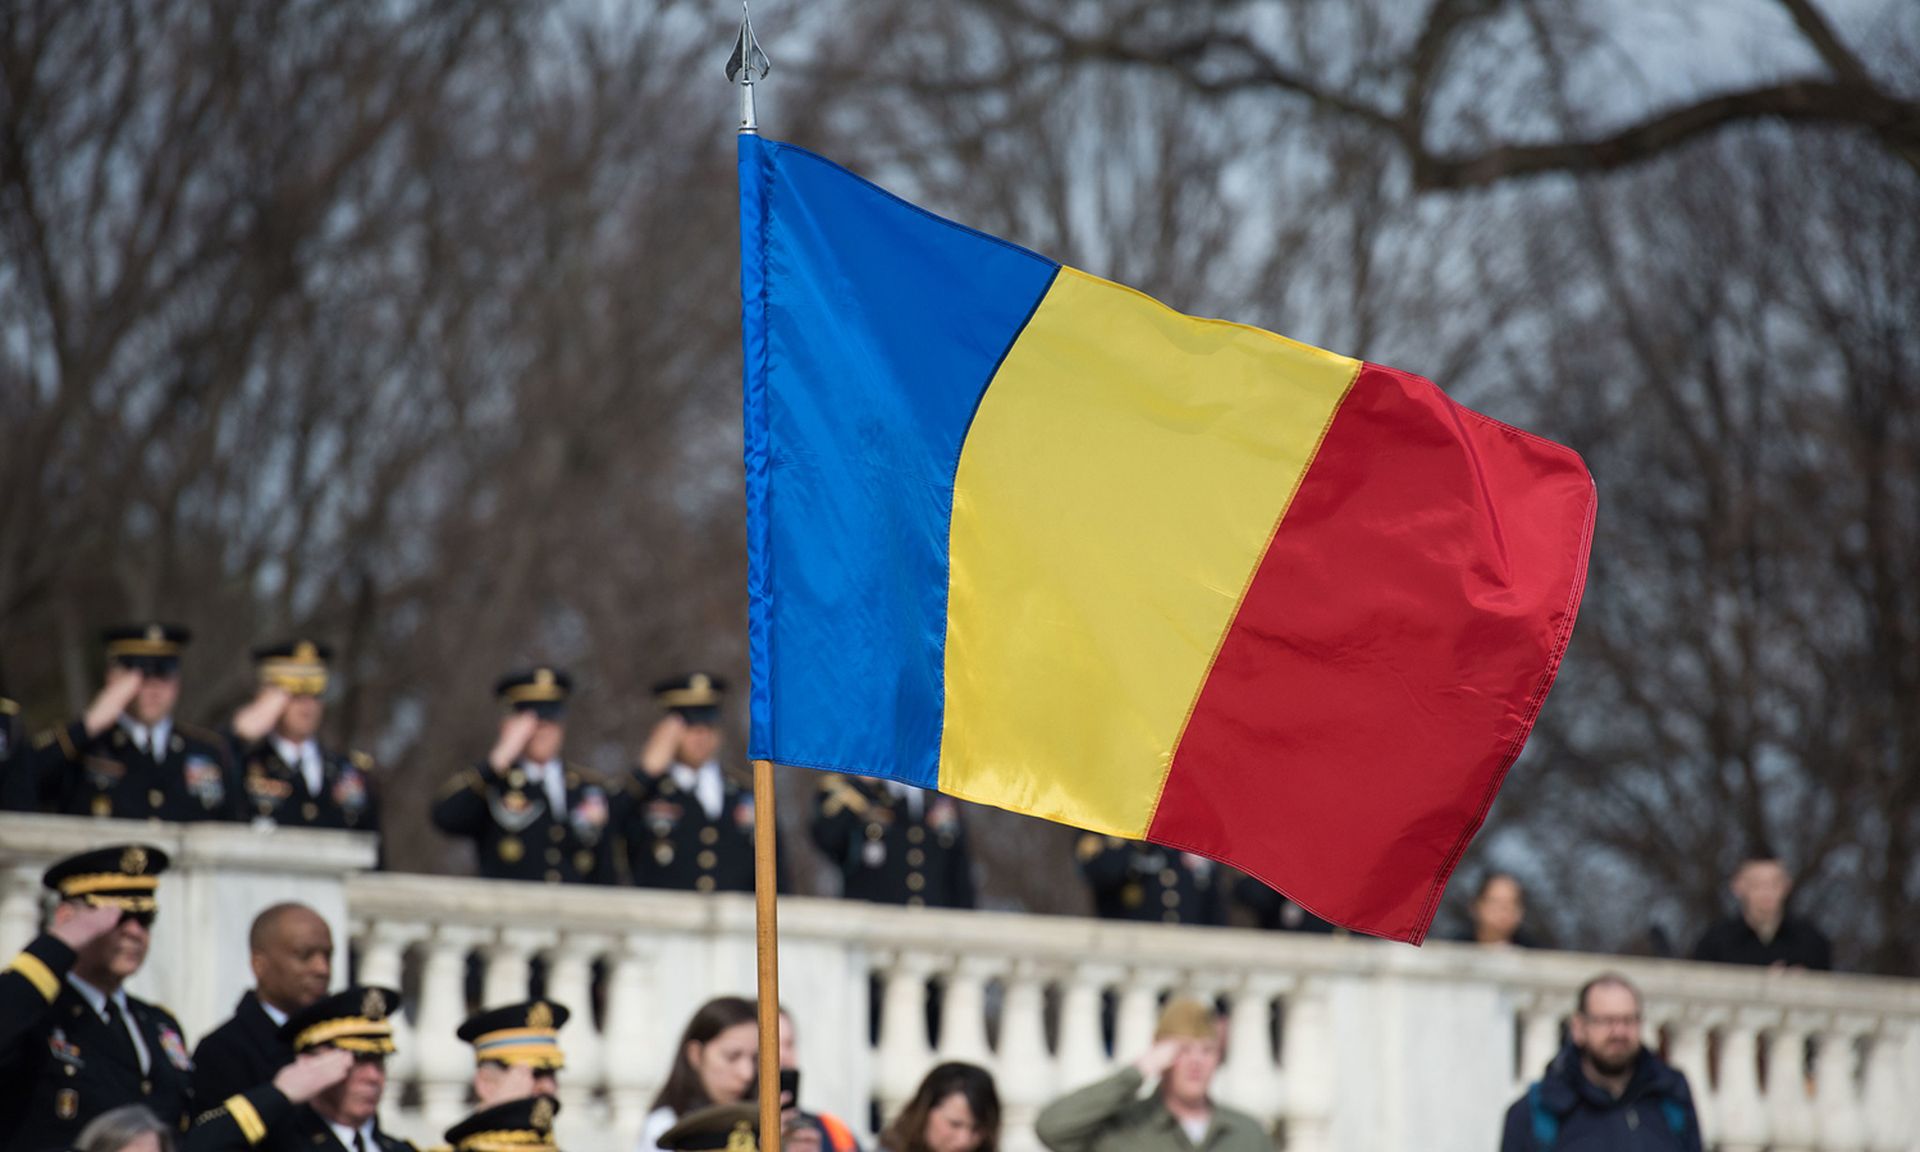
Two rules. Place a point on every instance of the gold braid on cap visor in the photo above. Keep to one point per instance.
(134, 893)
(351, 1033)
(508, 1140)
(143, 648)
(299, 677)
(535, 693)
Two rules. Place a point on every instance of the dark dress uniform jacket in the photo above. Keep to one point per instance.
(108, 775)
(242, 1053)
(1796, 944)
(288, 1127)
(671, 843)
(886, 853)
(275, 790)
(509, 820)
(1145, 882)
(61, 1064)
(18, 790)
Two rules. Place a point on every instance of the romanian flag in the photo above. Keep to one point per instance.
(1036, 540)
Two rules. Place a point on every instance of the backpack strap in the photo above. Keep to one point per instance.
(1546, 1126)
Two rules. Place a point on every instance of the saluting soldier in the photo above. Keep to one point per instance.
(127, 756)
(688, 825)
(894, 843)
(529, 815)
(328, 1099)
(516, 1051)
(1134, 881)
(287, 776)
(73, 1043)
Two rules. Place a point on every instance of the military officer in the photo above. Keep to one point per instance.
(328, 1099)
(286, 776)
(127, 756)
(73, 1044)
(1133, 881)
(18, 792)
(687, 825)
(894, 843)
(530, 816)
(1275, 912)
(516, 1050)
(523, 1125)
(290, 949)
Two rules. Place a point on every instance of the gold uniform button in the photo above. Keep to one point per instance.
(146, 1087)
(1171, 917)
(704, 884)
(1169, 877)
(915, 857)
(707, 858)
(875, 831)
(155, 798)
(915, 835)
(916, 902)
(709, 835)
(553, 855)
(309, 810)
(553, 877)
(556, 833)
(1170, 899)
(915, 881)
(583, 862)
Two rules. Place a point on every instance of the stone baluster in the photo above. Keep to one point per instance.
(1790, 1120)
(1540, 1017)
(1836, 1094)
(1743, 1120)
(631, 1051)
(1083, 1054)
(383, 947)
(1026, 1073)
(446, 1065)
(570, 981)
(905, 1053)
(19, 909)
(963, 1013)
(1251, 1077)
(509, 967)
(1687, 1049)
(1889, 1098)
(1306, 1038)
(1137, 1012)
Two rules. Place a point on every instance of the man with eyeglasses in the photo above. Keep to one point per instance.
(73, 1044)
(127, 756)
(1605, 1090)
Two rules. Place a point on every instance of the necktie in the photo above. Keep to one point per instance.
(359, 1141)
(120, 1040)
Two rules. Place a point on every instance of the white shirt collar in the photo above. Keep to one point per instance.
(551, 775)
(155, 737)
(707, 783)
(274, 1014)
(344, 1134)
(96, 999)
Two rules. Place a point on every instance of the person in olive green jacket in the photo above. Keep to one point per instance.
(1110, 1115)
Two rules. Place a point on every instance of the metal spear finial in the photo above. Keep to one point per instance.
(747, 64)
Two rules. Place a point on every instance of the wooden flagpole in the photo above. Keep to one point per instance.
(766, 941)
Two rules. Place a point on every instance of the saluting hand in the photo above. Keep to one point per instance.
(1157, 1059)
(515, 731)
(260, 715)
(662, 743)
(78, 924)
(312, 1073)
(123, 684)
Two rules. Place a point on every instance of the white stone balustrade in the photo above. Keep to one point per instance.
(1379, 1046)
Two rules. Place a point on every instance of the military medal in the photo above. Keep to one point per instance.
(511, 850)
